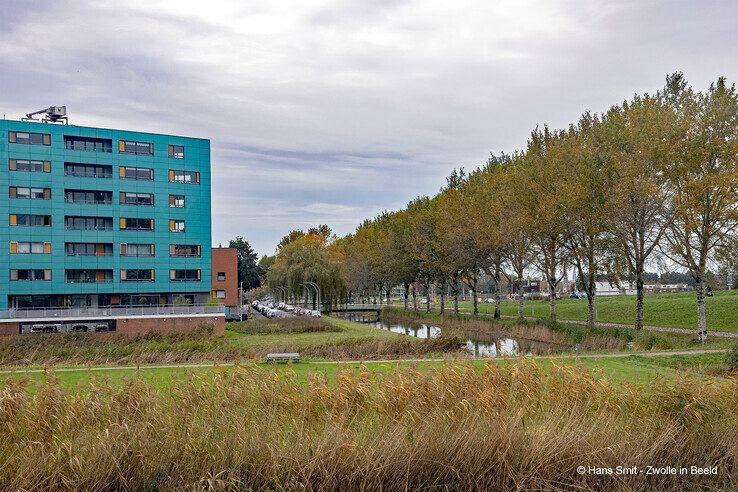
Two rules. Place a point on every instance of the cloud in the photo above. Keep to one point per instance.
(333, 111)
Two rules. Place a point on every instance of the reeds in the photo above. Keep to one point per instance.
(450, 428)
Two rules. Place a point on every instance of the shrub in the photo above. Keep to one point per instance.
(731, 358)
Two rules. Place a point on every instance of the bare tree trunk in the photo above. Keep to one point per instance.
(455, 288)
(389, 291)
(415, 299)
(551, 303)
(474, 294)
(701, 313)
(407, 289)
(443, 300)
(380, 294)
(519, 275)
(639, 299)
(497, 293)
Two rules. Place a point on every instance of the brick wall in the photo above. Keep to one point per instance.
(225, 260)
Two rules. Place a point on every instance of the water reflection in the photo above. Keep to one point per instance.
(479, 347)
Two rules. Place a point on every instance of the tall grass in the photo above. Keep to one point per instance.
(453, 428)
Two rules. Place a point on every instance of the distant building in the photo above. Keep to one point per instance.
(529, 286)
(224, 281)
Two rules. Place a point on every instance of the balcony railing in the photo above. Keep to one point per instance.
(102, 312)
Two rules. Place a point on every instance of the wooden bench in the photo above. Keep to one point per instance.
(291, 356)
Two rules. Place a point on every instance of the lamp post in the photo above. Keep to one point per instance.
(317, 289)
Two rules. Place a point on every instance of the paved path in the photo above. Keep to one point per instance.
(618, 355)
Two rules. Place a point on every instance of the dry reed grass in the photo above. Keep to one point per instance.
(453, 428)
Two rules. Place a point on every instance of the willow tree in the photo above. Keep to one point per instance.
(705, 179)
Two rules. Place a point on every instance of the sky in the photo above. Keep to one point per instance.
(333, 111)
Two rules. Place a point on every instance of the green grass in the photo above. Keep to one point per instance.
(678, 310)
(630, 369)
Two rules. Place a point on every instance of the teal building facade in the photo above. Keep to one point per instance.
(93, 217)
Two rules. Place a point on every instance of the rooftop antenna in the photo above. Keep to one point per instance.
(52, 114)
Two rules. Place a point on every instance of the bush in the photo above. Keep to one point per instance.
(731, 358)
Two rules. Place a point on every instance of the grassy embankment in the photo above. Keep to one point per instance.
(678, 310)
(460, 426)
(326, 338)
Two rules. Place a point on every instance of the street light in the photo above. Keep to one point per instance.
(317, 289)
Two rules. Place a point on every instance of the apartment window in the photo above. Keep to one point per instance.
(219, 294)
(176, 151)
(184, 250)
(29, 220)
(87, 170)
(176, 201)
(73, 222)
(88, 144)
(88, 196)
(176, 225)
(190, 177)
(88, 249)
(184, 275)
(140, 173)
(136, 224)
(28, 275)
(137, 148)
(136, 198)
(221, 276)
(29, 138)
(127, 249)
(137, 275)
(29, 193)
(25, 247)
(29, 166)
(88, 276)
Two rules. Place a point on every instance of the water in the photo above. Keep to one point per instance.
(490, 346)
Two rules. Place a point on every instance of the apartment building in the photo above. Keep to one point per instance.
(95, 217)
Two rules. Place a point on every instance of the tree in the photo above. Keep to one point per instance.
(705, 179)
(641, 138)
(249, 272)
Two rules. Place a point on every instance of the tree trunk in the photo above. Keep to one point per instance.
(701, 313)
(521, 298)
(497, 293)
(456, 297)
(407, 293)
(443, 301)
(389, 291)
(639, 299)
(380, 295)
(415, 299)
(474, 295)
(551, 303)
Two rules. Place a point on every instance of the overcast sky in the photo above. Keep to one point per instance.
(332, 111)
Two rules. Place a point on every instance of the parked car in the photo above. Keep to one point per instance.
(577, 295)
(102, 327)
(80, 328)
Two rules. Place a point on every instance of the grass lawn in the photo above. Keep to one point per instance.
(678, 310)
(631, 369)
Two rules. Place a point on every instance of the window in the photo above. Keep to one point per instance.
(184, 275)
(137, 275)
(176, 151)
(29, 138)
(88, 223)
(136, 198)
(184, 176)
(88, 249)
(88, 276)
(138, 148)
(30, 193)
(29, 220)
(176, 225)
(140, 173)
(136, 249)
(184, 250)
(136, 224)
(23, 275)
(176, 201)
(88, 144)
(88, 196)
(221, 276)
(87, 170)
(25, 247)
(219, 294)
(30, 166)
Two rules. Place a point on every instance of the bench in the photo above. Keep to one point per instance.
(292, 356)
